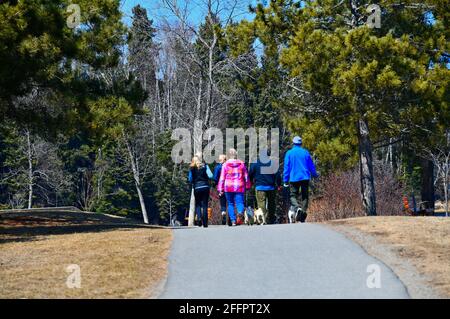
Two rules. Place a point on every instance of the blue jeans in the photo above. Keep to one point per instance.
(235, 199)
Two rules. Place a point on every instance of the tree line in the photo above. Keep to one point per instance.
(87, 113)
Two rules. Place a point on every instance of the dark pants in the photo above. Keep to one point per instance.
(201, 205)
(297, 189)
(268, 198)
(223, 203)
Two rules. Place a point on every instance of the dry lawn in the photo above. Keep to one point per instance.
(115, 260)
(423, 241)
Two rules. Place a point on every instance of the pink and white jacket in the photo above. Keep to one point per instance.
(233, 177)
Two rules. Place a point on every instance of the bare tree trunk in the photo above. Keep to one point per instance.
(30, 170)
(366, 168)
(197, 116)
(365, 144)
(391, 154)
(427, 185)
(210, 102)
(198, 109)
(191, 209)
(137, 182)
(154, 121)
(169, 106)
(445, 177)
(99, 176)
(159, 108)
(142, 202)
(446, 197)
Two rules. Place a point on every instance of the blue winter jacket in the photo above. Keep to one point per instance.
(298, 165)
(217, 171)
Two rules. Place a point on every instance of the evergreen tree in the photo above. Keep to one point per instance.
(142, 49)
(39, 46)
(342, 72)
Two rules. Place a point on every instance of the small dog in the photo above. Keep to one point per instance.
(259, 217)
(249, 216)
(297, 216)
(292, 216)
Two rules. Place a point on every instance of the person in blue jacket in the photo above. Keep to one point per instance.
(298, 170)
(222, 198)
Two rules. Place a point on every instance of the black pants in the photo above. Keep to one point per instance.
(299, 188)
(223, 203)
(201, 205)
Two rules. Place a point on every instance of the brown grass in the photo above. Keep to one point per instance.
(116, 260)
(424, 241)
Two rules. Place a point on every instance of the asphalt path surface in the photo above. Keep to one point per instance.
(294, 261)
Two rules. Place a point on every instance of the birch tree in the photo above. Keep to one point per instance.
(136, 152)
(201, 58)
(34, 171)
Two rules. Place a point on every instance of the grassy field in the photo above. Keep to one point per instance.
(116, 259)
(422, 241)
(119, 259)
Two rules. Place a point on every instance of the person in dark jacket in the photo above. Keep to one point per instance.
(298, 170)
(222, 198)
(199, 176)
(266, 186)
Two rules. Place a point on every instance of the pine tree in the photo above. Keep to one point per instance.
(39, 46)
(342, 72)
(142, 49)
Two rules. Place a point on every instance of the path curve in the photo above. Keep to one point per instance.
(273, 261)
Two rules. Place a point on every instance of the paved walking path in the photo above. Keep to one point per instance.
(272, 261)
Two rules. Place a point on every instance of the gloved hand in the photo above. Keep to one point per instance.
(285, 185)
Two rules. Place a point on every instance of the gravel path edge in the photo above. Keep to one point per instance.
(416, 284)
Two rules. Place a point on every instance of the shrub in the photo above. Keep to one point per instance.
(338, 195)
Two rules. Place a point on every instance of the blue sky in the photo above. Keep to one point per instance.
(196, 15)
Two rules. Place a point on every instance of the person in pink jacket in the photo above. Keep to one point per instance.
(234, 182)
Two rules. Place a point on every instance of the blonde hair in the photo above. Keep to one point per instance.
(232, 153)
(197, 161)
(222, 158)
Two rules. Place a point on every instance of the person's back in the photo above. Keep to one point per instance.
(199, 177)
(265, 186)
(233, 182)
(263, 182)
(234, 177)
(298, 165)
(298, 170)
